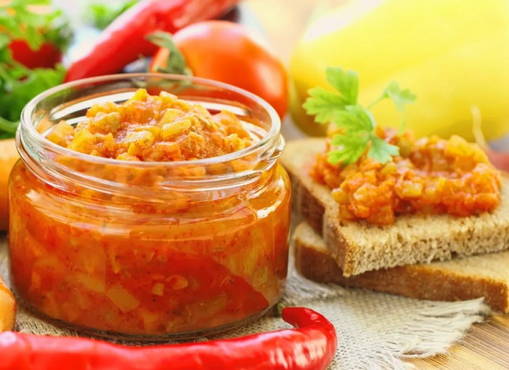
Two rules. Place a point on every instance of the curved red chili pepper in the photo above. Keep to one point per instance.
(311, 345)
(124, 40)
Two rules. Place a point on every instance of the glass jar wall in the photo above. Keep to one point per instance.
(148, 249)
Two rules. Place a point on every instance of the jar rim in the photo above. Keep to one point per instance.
(267, 140)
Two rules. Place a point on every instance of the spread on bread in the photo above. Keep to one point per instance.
(431, 175)
(377, 174)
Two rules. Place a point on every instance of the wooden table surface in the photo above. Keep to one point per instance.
(486, 346)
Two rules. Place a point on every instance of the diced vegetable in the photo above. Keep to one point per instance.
(121, 298)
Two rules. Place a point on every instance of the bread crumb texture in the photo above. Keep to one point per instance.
(459, 279)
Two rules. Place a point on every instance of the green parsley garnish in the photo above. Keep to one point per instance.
(19, 84)
(356, 122)
(19, 19)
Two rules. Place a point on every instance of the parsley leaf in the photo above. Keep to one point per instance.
(356, 123)
(35, 22)
(399, 97)
(348, 148)
(346, 82)
(354, 118)
(324, 105)
(327, 106)
(381, 150)
(18, 92)
(18, 84)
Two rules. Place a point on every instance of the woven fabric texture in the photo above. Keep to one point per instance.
(375, 331)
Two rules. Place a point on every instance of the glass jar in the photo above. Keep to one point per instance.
(148, 249)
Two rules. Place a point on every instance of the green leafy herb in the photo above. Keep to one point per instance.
(36, 22)
(381, 150)
(18, 91)
(101, 15)
(324, 105)
(352, 147)
(356, 123)
(400, 97)
(346, 82)
(18, 84)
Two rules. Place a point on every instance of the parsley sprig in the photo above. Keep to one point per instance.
(18, 84)
(356, 122)
(22, 19)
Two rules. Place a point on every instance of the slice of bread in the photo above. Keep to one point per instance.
(358, 247)
(459, 279)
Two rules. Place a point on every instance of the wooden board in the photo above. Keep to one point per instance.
(487, 344)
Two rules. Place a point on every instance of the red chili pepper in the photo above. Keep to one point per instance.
(311, 345)
(124, 40)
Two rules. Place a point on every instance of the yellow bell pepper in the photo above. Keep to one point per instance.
(454, 54)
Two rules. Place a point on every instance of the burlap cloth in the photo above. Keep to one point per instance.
(376, 331)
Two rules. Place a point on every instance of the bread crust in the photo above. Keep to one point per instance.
(359, 247)
(435, 281)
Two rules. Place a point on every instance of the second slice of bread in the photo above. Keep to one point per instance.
(358, 247)
(460, 279)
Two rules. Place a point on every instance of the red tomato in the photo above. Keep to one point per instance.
(47, 56)
(224, 51)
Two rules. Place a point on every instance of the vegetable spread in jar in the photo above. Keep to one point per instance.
(153, 128)
(152, 216)
(430, 175)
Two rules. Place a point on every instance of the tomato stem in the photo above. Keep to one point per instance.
(176, 62)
